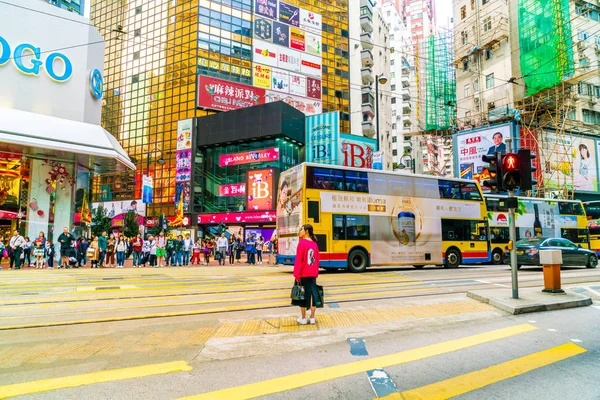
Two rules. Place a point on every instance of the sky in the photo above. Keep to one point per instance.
(443, 12)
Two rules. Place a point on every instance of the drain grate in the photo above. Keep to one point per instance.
(108, 288)
(112, 279)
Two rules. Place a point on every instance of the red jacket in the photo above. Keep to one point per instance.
(307, 260)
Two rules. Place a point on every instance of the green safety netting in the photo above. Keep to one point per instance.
(440, 83)
(546, 43)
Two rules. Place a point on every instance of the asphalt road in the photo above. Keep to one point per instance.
(115, 334)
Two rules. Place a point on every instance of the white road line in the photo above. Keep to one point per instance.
(490, 283)
(598, 307)
(551, 330)
(532, 322)
(589, 289)
(576, 340)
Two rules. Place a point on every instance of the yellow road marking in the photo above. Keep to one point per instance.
(46, 385)
(478, 379)
(183, 313)
(391, 396)
(302, 379)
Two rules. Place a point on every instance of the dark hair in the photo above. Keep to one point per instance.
(308, 228)
(583, 147)
(498, 133)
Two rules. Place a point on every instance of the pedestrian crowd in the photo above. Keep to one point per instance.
(111, 251)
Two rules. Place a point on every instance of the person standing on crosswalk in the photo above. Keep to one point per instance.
(306, 271)
(15, 246)
(66, 247)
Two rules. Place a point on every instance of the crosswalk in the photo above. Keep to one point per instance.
(371, 368)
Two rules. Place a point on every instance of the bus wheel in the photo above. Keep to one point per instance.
(592, 262)
(452, 258)
(358, 261)
(497, 257)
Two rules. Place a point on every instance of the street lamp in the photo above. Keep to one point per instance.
(383, 80)
(411, 163)
(161, 160)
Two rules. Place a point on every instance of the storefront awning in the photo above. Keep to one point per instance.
(43, 136)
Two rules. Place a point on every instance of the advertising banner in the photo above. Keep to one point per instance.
(378, 160)
(307, 106)
(147, 189)
(224, 67)
(261, 76)
(289, 209)
(235, 217)
(310, 65)
(357, 151)
(248, 157)
(313, 44)
(289, 60)
(183, 189)
(569, 161)
(313, 88)
(473, 145)
(280, 81)
(184, 134)
(266, 8)
(116, 208)
(298, 84)
(232, 189)
(289, 14)
(183, 166)
(263, 29)
(218, 94)
(311, 22)
(265, 53)
(322, 138)
(281, 34)
(261, 189)
(297, 39)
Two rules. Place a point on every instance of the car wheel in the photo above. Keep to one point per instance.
(497, 256)
(519, 266)
(592, 261)
(358, 261)
(452, 258)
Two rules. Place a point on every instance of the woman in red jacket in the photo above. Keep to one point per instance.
(306, 270)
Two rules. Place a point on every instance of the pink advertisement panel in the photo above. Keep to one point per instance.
(232, 189)
(248, 157)
(233, 217)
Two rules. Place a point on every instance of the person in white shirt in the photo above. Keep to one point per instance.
(188, 243)
(222, 246)
(15, 245)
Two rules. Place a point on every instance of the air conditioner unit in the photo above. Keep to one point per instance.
(594, 100)
(581, 45)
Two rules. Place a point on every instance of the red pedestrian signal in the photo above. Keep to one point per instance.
(510, 162)
(511, 178)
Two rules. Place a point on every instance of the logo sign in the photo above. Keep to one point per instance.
(281, 34)
(28, 60)
(311, 22)
(96, 84)
(280, 81)
(322, 137)
(313, 88)
(307, 106)
(232, 189)
(265, 53)
(378, 160)
(298, 85)
(357, 151)
(223, 95)
(289, 14)
(313, 44)
(231, 218)
(297, 39)
(260, 189)
(266, 8)
(147, 189)
(248, 157)
(263, 29)
(262, 76)
(311, 65)
(289, 60)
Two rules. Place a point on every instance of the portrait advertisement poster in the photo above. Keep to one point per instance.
(356, 151)
(281, 34)
(471, 146)
(260, 189)
(119, 207)
(183, 189)
(280, 80)
(322, 138)
(266, 8)
(289, 209)
(289, 14)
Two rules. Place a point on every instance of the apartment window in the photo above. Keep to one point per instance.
(463, 12)
(394, 152)
(138, 10)
(137, 32)
(488, 54)
(487, 24)
(394, 127)
(136, 55)
(464, 36)
(476, 85)
(393, 88)
(465, 65)
(393, 100)
(391, 63)
(583, 36)
(467, 90)
(394, 138)
(489, 81)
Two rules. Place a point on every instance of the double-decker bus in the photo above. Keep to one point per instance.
(365, 218)
(592, 212)
(535, 217)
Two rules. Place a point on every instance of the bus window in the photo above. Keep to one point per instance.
(338, 227)
(325, 178)
(453, 229)
(313, 211)
(500, 235)
(496, 205)
(357, 182)
(570, 208)
(470, 192)
(351, 227)
(449, 189)
(575, 235)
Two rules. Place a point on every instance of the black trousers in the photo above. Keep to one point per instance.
(15, 258)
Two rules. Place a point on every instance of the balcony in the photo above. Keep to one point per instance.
(405, 94)
(405, 81)
(367, 75)
(366, 58)
(367, 3)
(368, 104)
(366, 40)
(366, 19)
(406, 108)
(368, 129)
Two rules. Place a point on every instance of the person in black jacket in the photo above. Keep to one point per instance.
(82, 246)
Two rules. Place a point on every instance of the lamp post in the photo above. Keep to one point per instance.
(161, 160)
(383, 80)
(411, 160)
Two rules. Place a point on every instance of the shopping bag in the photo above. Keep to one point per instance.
(297, 291)
(320, 297)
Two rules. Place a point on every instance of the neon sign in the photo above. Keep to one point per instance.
(27, 59)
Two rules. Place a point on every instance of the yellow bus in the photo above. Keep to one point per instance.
(592, 212)
(368, 218)
(535, 217)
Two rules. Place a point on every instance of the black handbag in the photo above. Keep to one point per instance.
(320, 297)
(297, 291)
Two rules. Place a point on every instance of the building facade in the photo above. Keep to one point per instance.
(165, 59)
(74, 6)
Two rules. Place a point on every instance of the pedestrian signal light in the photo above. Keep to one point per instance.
(526, 158)
(495, 171)
(511, 177)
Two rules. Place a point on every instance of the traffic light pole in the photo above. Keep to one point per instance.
(513, 251)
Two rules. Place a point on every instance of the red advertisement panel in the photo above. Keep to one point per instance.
(260, 189)
(234, 217)
(232, 189)
(248, 157)
(218, 94)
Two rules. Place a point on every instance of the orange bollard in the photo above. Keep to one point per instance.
(551, 261)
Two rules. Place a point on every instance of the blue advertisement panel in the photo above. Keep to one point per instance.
(322, 138)
(357, 151)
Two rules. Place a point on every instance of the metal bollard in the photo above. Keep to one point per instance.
(551, 261)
